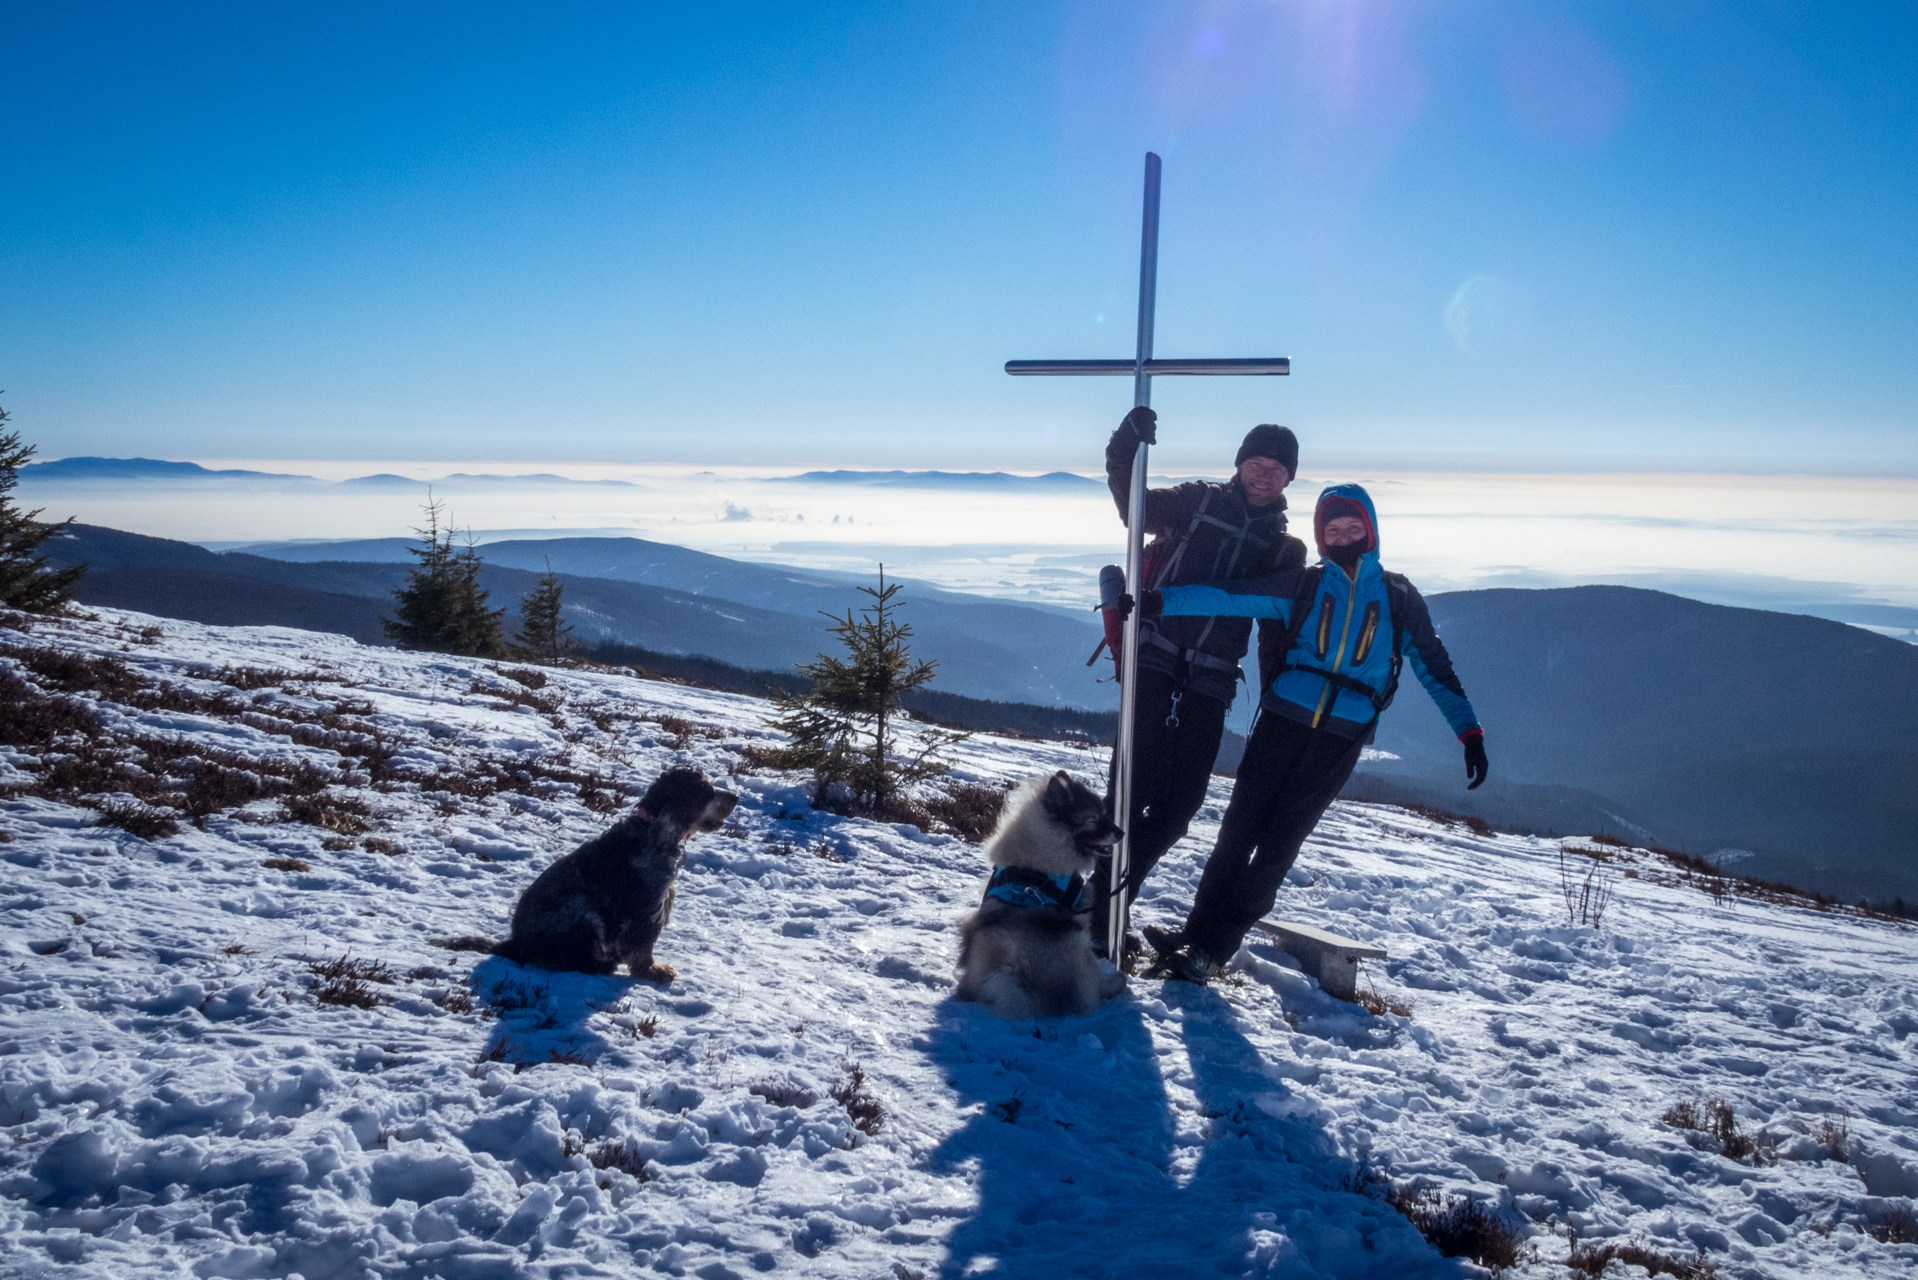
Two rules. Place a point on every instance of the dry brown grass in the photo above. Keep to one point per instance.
(497, 1052)
(346, 981)
(83, 763)
(968, 809)
(523, 696)
(622, 1155)
(754, 758)
(1718, 1118)
(1460, 1228)
(677, 732)
(868, 1116)
(346, 815)
(1894, 1226)
(782, 1094)
(138, 819)
(1369, 999)
(1587, 896)
(1445, 817)
(1592, 1260)
(250, 678)
(1835, 1137)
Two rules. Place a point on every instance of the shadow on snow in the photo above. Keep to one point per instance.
(1094, 1155)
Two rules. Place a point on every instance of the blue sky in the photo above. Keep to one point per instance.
(1655, 234)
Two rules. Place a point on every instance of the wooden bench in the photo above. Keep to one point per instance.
(1333, 960)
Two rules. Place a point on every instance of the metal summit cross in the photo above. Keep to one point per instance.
(1143, 367)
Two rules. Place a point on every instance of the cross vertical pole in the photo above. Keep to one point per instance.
(1143, 367)
(1117, 912)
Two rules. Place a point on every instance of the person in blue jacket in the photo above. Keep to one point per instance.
(1349, 627)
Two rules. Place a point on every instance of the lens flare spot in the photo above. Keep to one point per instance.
(1487, 313)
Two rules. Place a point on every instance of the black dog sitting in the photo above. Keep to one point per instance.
(604, 904)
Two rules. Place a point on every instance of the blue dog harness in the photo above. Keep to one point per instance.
(1036, 892)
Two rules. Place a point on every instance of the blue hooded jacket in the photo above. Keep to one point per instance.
(1340, 669)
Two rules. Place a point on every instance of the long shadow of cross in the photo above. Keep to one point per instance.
(1100, 1149)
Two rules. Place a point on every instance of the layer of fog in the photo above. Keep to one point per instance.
(1839, 547)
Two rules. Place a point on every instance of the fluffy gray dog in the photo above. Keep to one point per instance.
(1027, 951)
(604, 904)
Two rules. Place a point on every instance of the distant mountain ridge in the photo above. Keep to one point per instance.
(617, 589)
(87, 471)
(71, 471)
(1703, 727)
(84, 470)
(945, 480)
(1787, 736)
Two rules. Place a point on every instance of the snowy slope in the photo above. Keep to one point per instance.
(178, 1102)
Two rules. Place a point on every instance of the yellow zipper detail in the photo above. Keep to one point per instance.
(1366, 633)
(1345, 633)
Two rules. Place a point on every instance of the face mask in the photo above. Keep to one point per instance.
(1347, 556)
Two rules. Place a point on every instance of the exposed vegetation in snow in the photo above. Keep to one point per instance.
(244, 1031)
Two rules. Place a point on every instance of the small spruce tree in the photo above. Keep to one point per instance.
(843, 730)
(26, 581)
(441, 607)
(543, 633)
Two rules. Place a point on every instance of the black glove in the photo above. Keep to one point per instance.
(1143, 424)
(1475, 765)
(1154, 603)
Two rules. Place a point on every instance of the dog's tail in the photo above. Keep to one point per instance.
(473, 942)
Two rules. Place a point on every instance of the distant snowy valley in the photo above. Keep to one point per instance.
(236, 1049)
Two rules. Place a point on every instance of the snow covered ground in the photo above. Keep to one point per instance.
(177, 1102)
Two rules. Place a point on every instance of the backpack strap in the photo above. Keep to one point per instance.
(1303, 598)
(1167, 567)
(1398, 599)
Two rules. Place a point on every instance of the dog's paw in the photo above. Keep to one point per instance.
(660, 973)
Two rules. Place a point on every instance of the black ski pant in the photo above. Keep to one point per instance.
(1171, 765)
(1289, 775)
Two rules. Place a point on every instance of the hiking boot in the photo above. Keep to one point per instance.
(1187, 964)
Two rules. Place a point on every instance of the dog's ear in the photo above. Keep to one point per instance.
(1059, 796)
(713, 816)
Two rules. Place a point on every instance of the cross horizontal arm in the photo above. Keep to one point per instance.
(1271, 366)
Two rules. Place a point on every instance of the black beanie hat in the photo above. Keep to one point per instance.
(1268, 441)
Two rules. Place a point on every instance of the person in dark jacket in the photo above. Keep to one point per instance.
(1189, 667)
(1349, 626)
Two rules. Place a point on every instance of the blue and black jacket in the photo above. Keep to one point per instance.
(1341, 667)
(1201, 532)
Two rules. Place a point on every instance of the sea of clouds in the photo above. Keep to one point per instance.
(1840, 547)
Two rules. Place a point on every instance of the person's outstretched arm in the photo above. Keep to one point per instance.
(1425, 654)
(1266, 597)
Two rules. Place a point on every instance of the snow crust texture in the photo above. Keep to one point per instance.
(178, 1100)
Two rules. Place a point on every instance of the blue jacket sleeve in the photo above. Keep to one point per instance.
(1426, 655)
(1267, 597)
(1218, 602)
